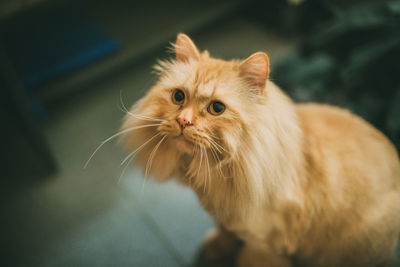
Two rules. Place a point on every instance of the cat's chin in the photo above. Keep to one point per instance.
(183, 144)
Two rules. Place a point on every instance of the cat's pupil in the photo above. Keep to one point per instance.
(179, 96)
(218, 107)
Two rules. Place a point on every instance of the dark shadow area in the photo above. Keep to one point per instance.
(348, 57)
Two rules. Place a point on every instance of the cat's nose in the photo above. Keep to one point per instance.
(183, 122)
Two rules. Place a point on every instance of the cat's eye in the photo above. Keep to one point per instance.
(178, 97)
(216, 108)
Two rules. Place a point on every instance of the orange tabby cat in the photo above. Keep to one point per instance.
(305, 182)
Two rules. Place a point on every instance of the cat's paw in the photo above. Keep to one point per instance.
(219, 245)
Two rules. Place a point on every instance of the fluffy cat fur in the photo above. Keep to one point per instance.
(309, 183)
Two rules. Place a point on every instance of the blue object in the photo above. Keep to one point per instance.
(46, 44)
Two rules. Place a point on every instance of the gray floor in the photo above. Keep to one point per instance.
(84, 217)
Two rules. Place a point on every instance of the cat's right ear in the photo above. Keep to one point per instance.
(185, 48)
(255, 69)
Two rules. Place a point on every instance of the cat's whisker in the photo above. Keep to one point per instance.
(214, 153)
(208, 172)
(213, 143)
(132, 154)
(124, 169)
(211, 140)
(205, 179)
(217, 163)
(218, 145)
(142, 117)
(195, 154)
(150, 161)
(116, 135)
(137, 116)
(214, 136)
(152, 154)
(201, 158)
(205, 173)
(209, 132)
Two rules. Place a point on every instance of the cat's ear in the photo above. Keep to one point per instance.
(255, 69)
(185, 48)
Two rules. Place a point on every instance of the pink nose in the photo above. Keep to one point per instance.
(183, 122)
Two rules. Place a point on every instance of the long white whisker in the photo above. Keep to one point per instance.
(201, 158)
(214, 154)
(218, 165)
(212, 142)
(214, 136)
(195, 153)
(209, 132)
(150, 161)
(116, 135)
(138, 149)
(212, 149)
(136, 115)
(208, 172)
(123, 171)
(218, 145)
(142, 117)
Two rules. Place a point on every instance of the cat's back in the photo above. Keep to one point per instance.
(343, 138)
(359, 169)
(332, 122)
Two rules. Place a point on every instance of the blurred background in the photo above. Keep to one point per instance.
(64, 65)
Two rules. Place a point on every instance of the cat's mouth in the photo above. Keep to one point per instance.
(184, 143)
(183, 138)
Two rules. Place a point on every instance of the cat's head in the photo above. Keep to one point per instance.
(198, 103)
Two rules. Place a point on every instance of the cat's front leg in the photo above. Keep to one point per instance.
(251, 257)
(220, 243)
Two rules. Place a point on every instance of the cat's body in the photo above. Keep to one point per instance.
(353, 195)
(310, 183)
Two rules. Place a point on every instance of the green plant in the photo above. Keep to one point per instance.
(352, 59)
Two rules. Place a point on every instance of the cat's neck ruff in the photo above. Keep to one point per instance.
(264, 169)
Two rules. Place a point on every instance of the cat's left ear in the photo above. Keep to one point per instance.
(255, 69)
(185, 48)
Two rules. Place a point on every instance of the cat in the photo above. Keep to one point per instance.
(286, 182)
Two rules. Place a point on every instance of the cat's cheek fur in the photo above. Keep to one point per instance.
(231, 141)
(165, 161)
